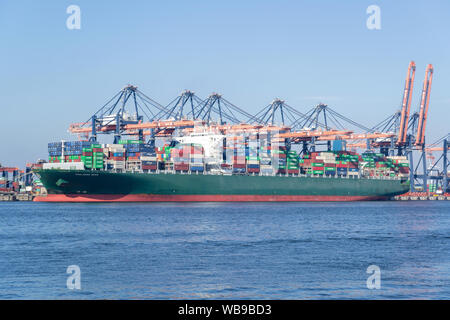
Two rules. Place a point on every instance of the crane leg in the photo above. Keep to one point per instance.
(425, 174)
(445, 186)
(411, 171)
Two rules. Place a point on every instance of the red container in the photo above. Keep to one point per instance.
(181, 167)
(293, 171)
(149, 167)
(252, 170)
(89, 154)
(239, 165)
(97, 149)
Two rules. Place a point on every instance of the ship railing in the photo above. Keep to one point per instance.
(300, 175)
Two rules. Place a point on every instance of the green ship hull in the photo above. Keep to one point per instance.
(99, 186)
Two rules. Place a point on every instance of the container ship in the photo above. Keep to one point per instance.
(209, 149)
(206, 166)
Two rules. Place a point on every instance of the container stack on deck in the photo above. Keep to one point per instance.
(188, 157)
(93, 157)
(253, 153)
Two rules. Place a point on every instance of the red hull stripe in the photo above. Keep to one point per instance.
(195, 198)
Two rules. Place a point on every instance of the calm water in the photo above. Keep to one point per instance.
(225, 251)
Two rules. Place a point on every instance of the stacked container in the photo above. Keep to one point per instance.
(197, 158)
(265, 153)
(93, 157)
(67, 151)
(235, 153)
(252, 154)
(292, 162)
(163, 153)
(116, 157)
(401, 165)
(180, 156)
(278, 153)
(87, 158)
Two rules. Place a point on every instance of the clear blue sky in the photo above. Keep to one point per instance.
(250, 51)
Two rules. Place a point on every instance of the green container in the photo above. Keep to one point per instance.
(130, 142)
(317, 164)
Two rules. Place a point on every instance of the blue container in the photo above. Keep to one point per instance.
(148, 154)
(148, 163)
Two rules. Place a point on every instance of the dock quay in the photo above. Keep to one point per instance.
(16, 196)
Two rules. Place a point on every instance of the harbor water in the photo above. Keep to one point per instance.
(225, 250)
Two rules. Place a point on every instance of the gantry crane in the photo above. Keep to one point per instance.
(177, 107)
(442, 175)
(406, 106)
(116, 114)
(217, 109)
(417, 128)
(398, 122)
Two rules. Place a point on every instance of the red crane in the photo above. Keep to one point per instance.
(424, 103)
(406, 104)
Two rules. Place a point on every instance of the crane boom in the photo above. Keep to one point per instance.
(406, 103)
(424, 103)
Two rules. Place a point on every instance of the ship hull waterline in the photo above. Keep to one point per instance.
(104, 186)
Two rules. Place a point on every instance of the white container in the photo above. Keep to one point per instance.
(64, 166)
